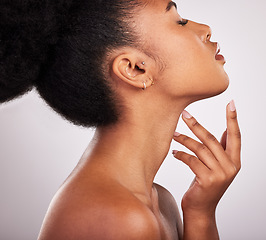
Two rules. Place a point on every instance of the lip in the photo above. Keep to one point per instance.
(219, 57)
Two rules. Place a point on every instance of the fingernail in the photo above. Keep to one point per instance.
(186, 114)
(174, 152)
(232, 106)
(176, 134)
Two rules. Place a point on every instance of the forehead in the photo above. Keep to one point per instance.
(154, 18)
(159, 6)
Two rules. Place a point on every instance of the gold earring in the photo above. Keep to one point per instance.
(152, 82)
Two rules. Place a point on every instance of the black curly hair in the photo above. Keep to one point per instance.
(58, 47)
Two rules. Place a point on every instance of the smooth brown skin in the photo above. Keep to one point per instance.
(111, 194)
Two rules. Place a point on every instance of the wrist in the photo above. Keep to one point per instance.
(207, 211)
(199, 217)
(200, 225)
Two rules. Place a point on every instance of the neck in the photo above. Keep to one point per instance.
(134, 149)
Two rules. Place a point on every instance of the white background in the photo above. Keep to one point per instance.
(38, 149)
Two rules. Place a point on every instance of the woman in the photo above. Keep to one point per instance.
(128, 68)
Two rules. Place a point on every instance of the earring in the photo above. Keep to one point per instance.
(144, 86)
(152, 82)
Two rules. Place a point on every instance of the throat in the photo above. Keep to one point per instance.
(132, 157)
(132, 151)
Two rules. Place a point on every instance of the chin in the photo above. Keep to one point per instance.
(225, 84)
(220, 86)
(215, 90)
(219, 91)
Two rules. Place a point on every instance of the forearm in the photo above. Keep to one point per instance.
(199, 227)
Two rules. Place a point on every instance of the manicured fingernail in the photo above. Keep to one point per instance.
(174, 152)
(232, 106)
(186, 114)
(176, 134)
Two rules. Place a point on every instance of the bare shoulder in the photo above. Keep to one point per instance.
(98, 213)
(165, 195)
(168, 207)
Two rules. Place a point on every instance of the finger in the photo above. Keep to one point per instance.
(205, 137)
(197, 167)
(233, 146)
(201, 151)
(223, 139)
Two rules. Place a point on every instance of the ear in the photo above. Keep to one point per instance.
(130, 69)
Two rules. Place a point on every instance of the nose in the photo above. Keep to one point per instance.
(208, 33)
(203, 31)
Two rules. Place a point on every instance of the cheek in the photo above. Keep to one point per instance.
(193, 70)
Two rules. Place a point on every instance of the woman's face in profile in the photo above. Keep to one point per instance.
(191, 67)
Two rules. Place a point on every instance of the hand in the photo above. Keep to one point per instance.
(216, 164)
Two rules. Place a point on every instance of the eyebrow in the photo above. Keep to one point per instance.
(170, 5)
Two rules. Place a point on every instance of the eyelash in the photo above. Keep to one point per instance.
(183, 22)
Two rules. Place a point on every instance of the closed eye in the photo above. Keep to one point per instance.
(183, 22)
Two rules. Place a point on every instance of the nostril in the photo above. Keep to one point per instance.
(208, 32)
